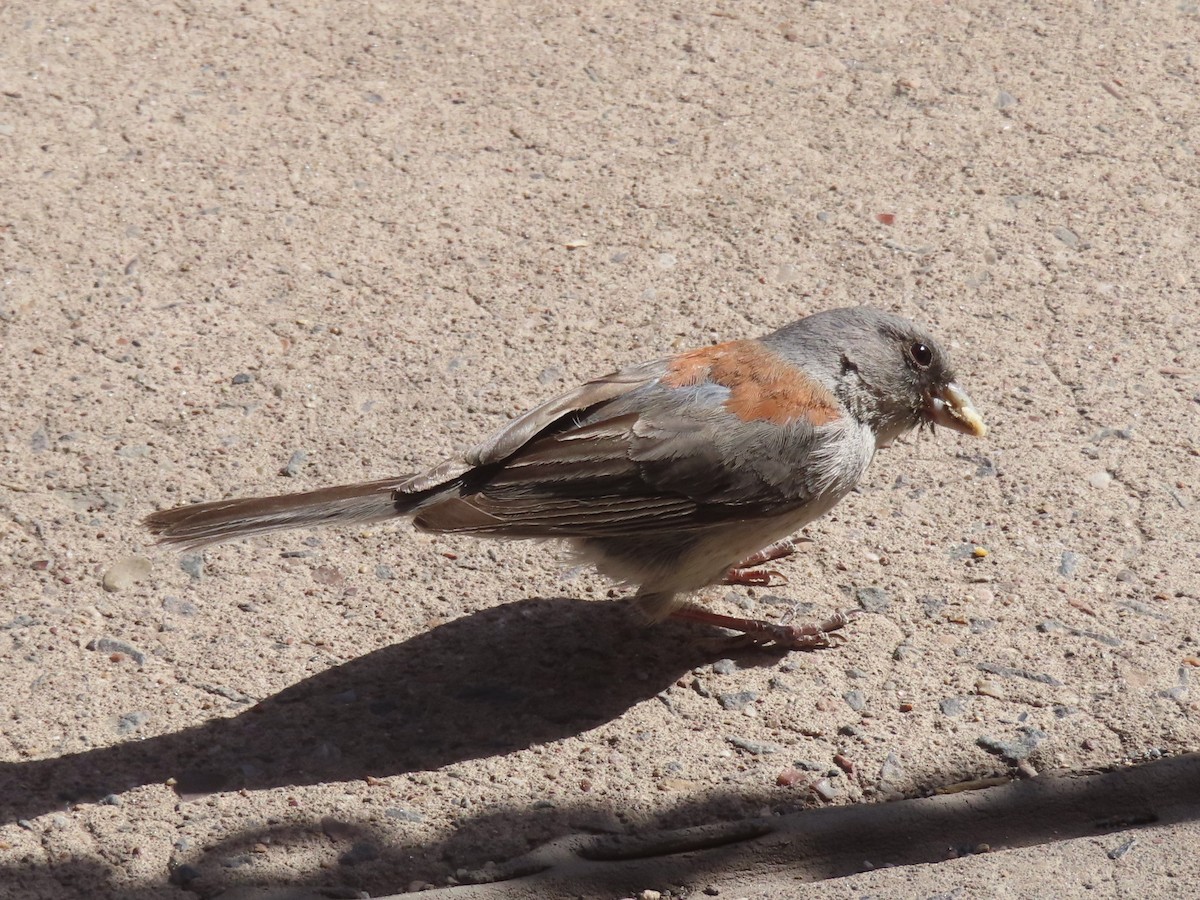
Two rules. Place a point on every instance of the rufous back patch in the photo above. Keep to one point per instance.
(762, 387)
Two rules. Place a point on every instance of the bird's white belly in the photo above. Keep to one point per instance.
(728, 545)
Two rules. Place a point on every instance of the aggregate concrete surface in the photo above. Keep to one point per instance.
(256, 247)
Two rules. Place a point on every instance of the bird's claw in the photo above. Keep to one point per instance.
(810, 635)
(755, 577)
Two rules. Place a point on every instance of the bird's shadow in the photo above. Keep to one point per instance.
(490, 683)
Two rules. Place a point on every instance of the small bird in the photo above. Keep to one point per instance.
(671, 475)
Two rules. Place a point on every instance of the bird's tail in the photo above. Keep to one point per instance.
(221, 520)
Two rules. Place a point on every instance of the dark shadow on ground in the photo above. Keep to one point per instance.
(497, 681)
(805, 846)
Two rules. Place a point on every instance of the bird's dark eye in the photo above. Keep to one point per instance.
(921, 355)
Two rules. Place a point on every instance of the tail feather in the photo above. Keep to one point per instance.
(221, 520)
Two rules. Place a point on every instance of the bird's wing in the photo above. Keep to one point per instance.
(521, 430)
(721, 433)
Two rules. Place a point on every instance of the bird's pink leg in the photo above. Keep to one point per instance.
(743, 573)
(809, 636)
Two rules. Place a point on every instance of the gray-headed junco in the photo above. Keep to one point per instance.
(671, 475)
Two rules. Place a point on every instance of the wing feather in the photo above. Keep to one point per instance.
(629, 453)
(521, 430)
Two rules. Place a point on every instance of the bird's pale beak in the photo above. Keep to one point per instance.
(950, 406)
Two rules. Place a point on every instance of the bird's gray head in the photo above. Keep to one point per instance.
(892, 373)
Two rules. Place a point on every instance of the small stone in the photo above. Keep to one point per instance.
(1052, 626)
(1180, 692)
(756, 748)
(1005, 671)
(110, 800)
(985, 467)
(985, 687)
(297, 462)
(1004, 100)
(1068, 564)
(872, 599)
(549, 375)
(39, 440)
(1122, 848)
(737, 701)
(193, 565)
(125, 573)
(952, 706)
(892, 771)
(1100, 480)
(724, 667)
(825, 789)
(1015, 750)
(979, 552)
(650, 895)
(328, 575)
(243, 378)
(24, 620)
(178, 607)
(789, 777)
(667, 260)
(856, 700)
(904, 652)
(1180, 500)
(1143, 610)
(933, 606)
(132, 721)
(111, 646)
(403, 815)
(384, 573)
(1067, 236)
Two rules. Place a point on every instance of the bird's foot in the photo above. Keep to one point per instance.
(806, 636)
(770, 553)
(754, 577)
(748, 573)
